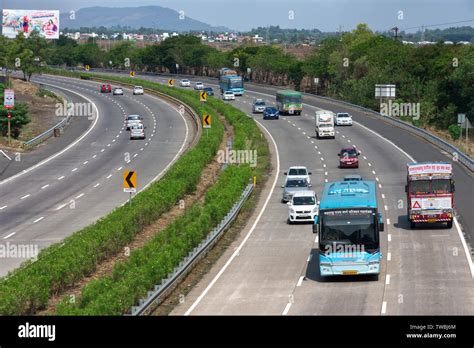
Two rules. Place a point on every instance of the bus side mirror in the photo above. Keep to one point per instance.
(381, 223)
(453, 187)
(315, 225)
(406, 188)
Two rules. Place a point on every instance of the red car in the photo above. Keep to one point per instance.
(106, 89)
(349, 158)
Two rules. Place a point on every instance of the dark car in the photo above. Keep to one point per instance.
(209, 90)
(106, 89)
(271, 113)
(349, 158)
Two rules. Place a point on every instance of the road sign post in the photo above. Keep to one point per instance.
(9, 103)
(130, 183)
(170, 83)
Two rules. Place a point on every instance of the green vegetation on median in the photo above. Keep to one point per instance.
(60, 266)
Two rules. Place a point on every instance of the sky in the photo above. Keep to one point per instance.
(325, 15)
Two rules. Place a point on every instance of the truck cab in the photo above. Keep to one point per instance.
(324, 124)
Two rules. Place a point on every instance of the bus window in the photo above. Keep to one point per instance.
(441, 186)
(418, 187)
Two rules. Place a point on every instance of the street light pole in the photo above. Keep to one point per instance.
(9, 133)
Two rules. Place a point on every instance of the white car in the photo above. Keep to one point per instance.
(138, 90)
(228, 95)
(298, 172)
(133, 120)
(343, 119)
(117, 91)
(303, 206)
(185, 83)
(199, 85)
(137, 131)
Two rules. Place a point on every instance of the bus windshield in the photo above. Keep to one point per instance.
(344, 227)
(291, 99)
(237, 83)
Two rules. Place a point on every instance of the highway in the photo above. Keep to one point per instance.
(273, 268)
(71, 189)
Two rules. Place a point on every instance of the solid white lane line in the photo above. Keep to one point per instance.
(310, 256)
(8, 236)
(79, 196)
(25, 196)
(257, 220)
(300, 281)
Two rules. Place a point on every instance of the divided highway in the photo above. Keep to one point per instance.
(75, 188)
(273, 268)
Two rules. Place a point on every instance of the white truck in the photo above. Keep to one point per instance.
(324, 124)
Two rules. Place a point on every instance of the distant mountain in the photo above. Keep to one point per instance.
(135, 17)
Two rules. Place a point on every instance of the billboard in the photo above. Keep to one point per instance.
(46, 22)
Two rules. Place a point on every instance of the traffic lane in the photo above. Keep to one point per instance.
(55, 225)
(76, 128)
(263, 275)
(104, 133)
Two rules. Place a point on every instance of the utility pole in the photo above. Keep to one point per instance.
(422, 33)
(395, 29)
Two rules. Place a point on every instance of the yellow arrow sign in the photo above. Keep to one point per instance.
(170, 83)
(206, 121)
(202, 96)
(129, 181)
(132, 73)
(87, 67)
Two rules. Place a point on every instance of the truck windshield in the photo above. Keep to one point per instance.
(299, 171)
(441, 186)
(350, 229)
(418, 187)
(296, 183)
(308, 200)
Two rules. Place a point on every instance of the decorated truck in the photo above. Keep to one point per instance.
(430, 193)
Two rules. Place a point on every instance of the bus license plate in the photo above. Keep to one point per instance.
(350, 272)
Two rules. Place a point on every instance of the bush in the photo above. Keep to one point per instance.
(454, 131)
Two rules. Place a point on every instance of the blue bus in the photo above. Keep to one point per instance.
(233, 83)
(348, 226)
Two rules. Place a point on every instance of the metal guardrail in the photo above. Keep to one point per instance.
(163, 289)
(50, 132)
(459, 155)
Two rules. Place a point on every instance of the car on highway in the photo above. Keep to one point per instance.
(137, 131)
(138, 90)
(349, 158)
(271, 112)
(106, 89)
(209, 90)
(353, 177)
(343, 119)
(198, 86)
(185, 83)
(292, 186)
(228, 95)
(118, 91)
(302, 207)
(132, 120)
(258, 106)
(298, 172)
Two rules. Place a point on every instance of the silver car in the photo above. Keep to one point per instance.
(258, 106)
(137, 132)
(132, 120)
(292, 186)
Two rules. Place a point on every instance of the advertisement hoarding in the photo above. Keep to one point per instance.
(46, 22)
